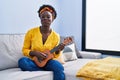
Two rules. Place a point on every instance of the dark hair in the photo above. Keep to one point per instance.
(49, 6)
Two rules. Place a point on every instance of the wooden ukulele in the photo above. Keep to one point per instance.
(49, 53)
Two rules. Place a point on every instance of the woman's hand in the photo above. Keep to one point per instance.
(66, 41)
(61, 46)
(38, 54)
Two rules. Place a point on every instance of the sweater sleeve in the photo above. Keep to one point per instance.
(27, 44)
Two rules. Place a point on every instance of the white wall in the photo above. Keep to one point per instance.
(17, 16)
(71, 19)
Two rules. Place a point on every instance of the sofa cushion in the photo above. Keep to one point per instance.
(10, 50)
(72, 67)
(90, 55)
(17, 74)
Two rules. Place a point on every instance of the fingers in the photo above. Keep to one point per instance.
(61, 46)
(42, 55)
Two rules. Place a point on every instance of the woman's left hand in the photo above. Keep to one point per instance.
(61, 46)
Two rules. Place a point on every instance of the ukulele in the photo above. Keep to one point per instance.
(49, 53)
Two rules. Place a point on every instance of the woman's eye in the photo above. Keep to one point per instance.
(42, 17)
(48, 17)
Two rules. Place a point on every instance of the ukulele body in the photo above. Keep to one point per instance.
(49, 53)
(42, 63)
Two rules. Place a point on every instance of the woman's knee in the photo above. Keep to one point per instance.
(54, 65)
(27, 64)
(23, 60)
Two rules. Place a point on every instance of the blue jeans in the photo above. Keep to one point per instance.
(27, 64)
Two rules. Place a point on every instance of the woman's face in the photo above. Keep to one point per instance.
(46, 18)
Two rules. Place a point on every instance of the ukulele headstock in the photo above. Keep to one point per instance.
(67, 40)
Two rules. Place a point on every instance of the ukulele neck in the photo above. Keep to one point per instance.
(66, 41)
(55, 49)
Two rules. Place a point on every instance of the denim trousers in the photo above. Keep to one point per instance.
(27, 64)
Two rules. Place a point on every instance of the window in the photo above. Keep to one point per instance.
(101, 26)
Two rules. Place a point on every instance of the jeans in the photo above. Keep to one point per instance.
(27, 64)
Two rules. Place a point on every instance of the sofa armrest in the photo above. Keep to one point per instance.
(90, 55)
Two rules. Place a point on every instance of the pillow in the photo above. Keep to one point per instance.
(78, 52)
(69, 52)
(76, 49)
(67, 49)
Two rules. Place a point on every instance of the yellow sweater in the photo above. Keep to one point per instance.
(33, 41)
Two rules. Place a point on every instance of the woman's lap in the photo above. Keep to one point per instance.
(27, 64)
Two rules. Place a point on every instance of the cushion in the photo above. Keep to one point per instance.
(69, 52)
(17, 74)
(10, 50)
(92, 55)
(102, 69)
(75, 46)
(67, 49)
(77, 52)
(71, 68)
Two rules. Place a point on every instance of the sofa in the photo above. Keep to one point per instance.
(10, 52)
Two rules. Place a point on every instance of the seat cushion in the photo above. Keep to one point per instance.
(72, 67)
(17, 74)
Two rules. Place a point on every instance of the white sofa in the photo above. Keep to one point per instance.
(10, 52)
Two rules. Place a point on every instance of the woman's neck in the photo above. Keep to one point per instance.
(45, 29)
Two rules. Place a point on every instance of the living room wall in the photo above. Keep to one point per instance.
(17, 16)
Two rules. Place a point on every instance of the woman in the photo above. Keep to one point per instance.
(39, 39)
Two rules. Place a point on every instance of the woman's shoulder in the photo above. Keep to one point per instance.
(55, 33)
(32, 30)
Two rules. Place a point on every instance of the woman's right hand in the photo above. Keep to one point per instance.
(38, 54)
